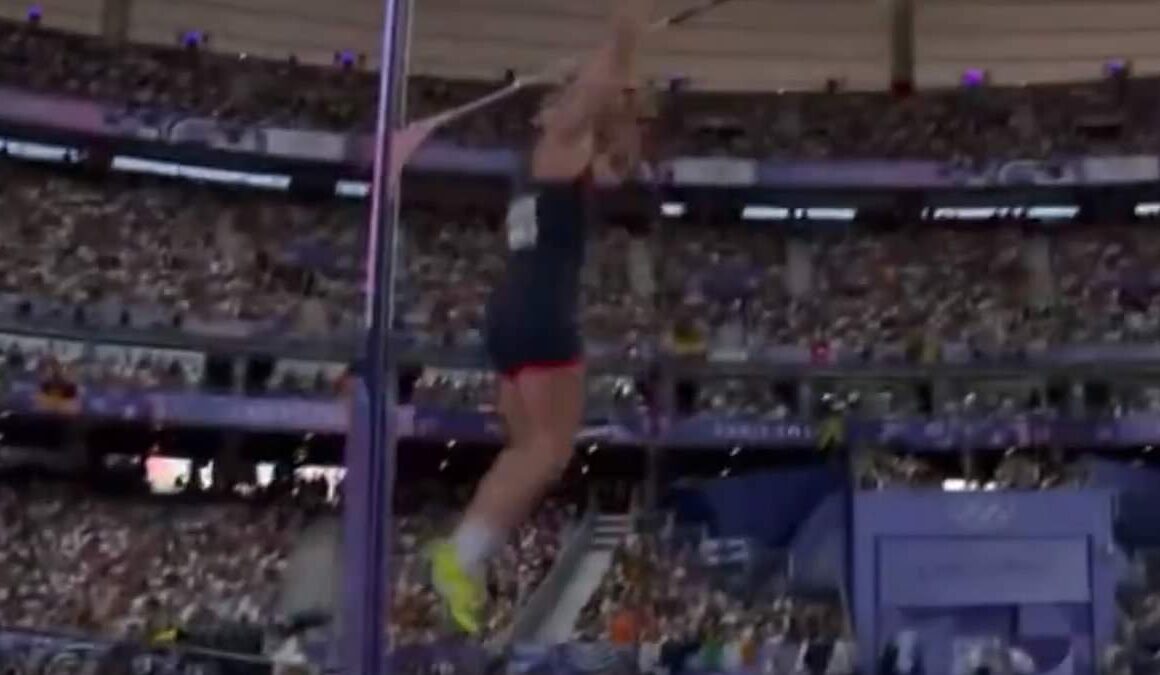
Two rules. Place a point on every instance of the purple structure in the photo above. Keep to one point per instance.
(362, 553)
(974, 77)
(1117, 68)
(951, 568)
(370, 451)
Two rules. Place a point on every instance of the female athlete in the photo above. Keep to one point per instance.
(588, 134)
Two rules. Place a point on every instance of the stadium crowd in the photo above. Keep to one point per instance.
(227, 262)
(138, 566)
(174, 259)
(164, 257)
(513, 574)
(95, 255)
(967, 125)
(1139, 627)
(682, 612)
(1013, 469)
(77, 560)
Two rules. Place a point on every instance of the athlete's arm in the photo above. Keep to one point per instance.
(604, 76)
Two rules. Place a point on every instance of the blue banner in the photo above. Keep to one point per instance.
(247, 413)
(982, 571)
(851, 173)
(918, 433)
(767, 506)
(288, 414)
(285, 414)
(98, 119)
(706, 430)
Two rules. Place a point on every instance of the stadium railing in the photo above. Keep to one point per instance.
(33, 652)
(532, 614)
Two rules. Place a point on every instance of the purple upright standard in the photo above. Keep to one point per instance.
(371, 449)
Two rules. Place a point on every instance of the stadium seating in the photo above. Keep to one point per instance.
(685, 609)
(964, 125)
(133, 566)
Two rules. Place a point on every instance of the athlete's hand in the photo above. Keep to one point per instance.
(629, 24)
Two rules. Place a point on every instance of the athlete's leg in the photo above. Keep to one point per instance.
(548, 409)
(483, 529)
(543, 410)
(511, 409)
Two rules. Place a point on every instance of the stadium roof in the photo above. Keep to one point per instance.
(745, 45)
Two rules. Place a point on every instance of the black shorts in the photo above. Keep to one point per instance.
(522, 337)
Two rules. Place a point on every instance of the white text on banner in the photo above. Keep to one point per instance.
(714, 171)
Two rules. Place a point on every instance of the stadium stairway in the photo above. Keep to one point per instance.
(607, 533)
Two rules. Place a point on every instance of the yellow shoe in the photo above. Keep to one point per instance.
(462, 593)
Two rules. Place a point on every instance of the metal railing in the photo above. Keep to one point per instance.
(35, 652)
(532, 615)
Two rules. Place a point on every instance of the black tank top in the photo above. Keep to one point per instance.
(546, 238)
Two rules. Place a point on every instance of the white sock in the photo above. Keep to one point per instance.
(474, 541)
